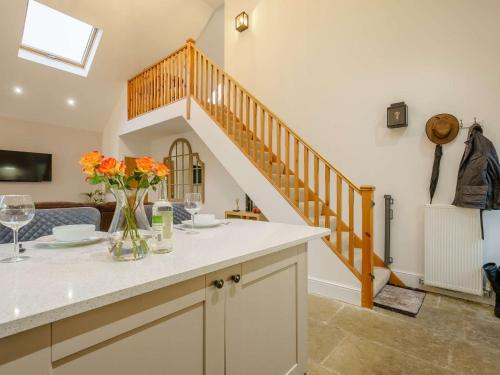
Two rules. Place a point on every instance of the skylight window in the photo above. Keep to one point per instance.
(58, 40)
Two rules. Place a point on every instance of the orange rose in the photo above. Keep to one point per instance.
(91, 159)
(123, 168)
(89, 170)
(110, 167)
(145, 164)
(161, 170)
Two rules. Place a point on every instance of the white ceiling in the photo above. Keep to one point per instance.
(136, 33)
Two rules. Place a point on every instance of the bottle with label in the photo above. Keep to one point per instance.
(163, 222)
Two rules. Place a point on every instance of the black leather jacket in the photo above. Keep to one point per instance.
(478, 184)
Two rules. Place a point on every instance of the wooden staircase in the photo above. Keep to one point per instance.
(320, 193)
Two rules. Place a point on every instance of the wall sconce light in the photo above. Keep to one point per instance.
(241, 22)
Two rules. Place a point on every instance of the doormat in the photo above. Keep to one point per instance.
(401, 300)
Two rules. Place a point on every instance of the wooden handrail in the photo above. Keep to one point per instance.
(282, 156)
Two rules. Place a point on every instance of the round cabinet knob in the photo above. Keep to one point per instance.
(236, 278)
(219, 284)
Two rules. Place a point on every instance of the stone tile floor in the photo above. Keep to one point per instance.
(449, 336)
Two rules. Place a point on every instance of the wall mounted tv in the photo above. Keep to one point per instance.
(25, 166)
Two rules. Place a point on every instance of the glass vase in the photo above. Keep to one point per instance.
(129, 231)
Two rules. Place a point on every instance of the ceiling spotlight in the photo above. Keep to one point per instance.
(71, 102)
(18, 90)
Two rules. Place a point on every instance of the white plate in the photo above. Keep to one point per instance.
(50, 241)
(189, 224)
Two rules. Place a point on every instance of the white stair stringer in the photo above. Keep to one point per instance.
(327, 274)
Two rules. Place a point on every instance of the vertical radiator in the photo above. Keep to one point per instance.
(453, 248)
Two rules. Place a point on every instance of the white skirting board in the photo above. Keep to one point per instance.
(453, 249)
(345, 293)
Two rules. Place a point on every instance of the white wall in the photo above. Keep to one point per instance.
(211, 39)
(221, 190)
(330, 68)
(65, 144)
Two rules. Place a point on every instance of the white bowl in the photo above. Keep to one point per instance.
(203, 219)
(76, 232)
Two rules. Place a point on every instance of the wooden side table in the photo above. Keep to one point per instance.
(245, 215)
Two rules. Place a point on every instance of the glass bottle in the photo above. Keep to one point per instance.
(163, 222)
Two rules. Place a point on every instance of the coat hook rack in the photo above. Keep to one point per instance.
(462, 126)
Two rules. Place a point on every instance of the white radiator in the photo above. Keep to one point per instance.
(453, 248)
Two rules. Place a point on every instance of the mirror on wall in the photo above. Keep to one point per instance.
(187, 171)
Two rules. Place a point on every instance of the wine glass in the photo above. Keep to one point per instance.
(15, 212)
(192, 204)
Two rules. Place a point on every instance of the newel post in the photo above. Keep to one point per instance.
(367, 203)
(190, 84)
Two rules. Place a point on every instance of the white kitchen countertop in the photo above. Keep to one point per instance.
(57, 283)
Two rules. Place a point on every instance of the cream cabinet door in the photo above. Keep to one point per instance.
(219, 286)
(266, 316)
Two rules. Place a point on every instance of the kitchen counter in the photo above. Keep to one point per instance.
(59, 283)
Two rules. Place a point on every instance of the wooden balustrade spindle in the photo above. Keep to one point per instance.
(137, 95)
(132, 98)
(351, 226)
(235, 111)
(296, 170)
(262, 138)
(202, 80)
(316, 190)
(287, 162)
(167, 78)
(217, 94)
(339, 214)
(181, 78)
(241, 117)
(229, 107)
(247, 113)
(270, 141)
(144, 97)
(278, 153)
(176, 78)
(222, 109)
(254, 120)
(327, 207)
(128, 99)
(212, 107)
(157, 86)
(152, 87)
(160, 84)
(207, 103)
(306, 182)
(146, 91)
(143, 92)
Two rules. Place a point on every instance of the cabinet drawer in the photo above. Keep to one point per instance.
(27, 352)
(83, 331)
